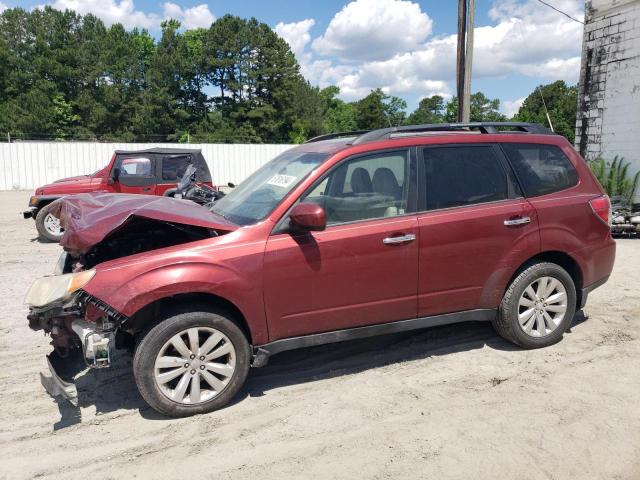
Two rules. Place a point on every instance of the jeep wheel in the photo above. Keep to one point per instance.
(191, 362)
(48, 226)
(538, 306)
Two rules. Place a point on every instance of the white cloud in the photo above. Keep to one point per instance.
(296, 34)
(111, 11)
(374, 29)
(3, 7)
(511, 107)
(195, 17)
(384, 43)
(125, 12)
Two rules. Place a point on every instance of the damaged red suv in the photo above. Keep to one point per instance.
(346, 236)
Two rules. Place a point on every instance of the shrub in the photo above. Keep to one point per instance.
(614, 177)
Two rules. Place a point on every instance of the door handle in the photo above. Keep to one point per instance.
(146, 189)
(403, 239)
(517, 221)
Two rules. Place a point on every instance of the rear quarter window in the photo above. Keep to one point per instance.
(541, 169)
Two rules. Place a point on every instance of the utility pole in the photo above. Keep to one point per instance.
(460, 57)
(468, 64)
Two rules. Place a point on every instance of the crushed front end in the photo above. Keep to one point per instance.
(81, 327)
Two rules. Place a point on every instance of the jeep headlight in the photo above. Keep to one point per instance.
(46, 290)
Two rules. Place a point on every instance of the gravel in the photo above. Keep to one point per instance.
(450, 402)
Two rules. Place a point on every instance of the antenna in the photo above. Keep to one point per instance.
(545, 109)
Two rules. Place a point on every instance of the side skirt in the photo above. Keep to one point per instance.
(261, 353)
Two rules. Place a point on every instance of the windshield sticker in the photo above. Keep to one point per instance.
(280, 180)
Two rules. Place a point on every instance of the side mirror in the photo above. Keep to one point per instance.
(308, 217)
(115, 175)
(231, 185)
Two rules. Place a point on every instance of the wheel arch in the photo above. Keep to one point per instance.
(562, 259)
(148, 314)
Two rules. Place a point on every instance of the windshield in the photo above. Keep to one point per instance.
(262, 191)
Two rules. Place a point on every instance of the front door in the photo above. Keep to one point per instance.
(361, 270)
(475, 228)
(137, 174)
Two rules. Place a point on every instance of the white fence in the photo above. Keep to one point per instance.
(25, 166)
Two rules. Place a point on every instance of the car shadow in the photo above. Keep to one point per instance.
(114, 388)
(37, 239)
(346, 358)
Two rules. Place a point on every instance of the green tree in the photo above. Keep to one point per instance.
(338, 116)
(379, 110)
(562, 103)
(430, 110)
(481, 109)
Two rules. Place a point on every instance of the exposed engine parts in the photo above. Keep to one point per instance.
(138, 235)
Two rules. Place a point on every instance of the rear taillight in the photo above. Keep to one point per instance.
(601, 206)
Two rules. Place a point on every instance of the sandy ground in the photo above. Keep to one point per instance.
(450, 402)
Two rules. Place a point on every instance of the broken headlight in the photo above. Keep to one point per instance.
(58, 287)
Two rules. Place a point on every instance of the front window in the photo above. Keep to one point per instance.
(364, 188)
(136, 166)
(258, 195)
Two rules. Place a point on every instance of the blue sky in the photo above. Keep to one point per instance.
(406, 47)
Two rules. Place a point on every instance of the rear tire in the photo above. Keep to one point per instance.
(48, 226)
(197, 383)
(531, 320)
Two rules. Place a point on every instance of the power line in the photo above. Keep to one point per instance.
(560, 11)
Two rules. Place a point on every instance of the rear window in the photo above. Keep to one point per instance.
(463, 175)
(541, 169)
(174, 166)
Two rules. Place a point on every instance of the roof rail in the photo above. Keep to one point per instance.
(482, 127)
(329, 136)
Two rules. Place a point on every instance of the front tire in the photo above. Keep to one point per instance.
(538, 306)
(48, 226)
(191, 362)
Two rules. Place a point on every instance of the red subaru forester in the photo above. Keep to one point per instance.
(343, 237)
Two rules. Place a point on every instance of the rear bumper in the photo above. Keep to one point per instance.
(587, 290)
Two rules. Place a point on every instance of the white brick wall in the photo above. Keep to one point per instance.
(608, 121)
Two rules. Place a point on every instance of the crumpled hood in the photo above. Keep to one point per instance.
(88, 218)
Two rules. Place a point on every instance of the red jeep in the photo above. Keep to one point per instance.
(149, 172)
(344, 237)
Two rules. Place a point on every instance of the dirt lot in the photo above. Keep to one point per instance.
(451, 402)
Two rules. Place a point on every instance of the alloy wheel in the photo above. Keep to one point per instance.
(52, 225)
(542, 306)
(195, 365)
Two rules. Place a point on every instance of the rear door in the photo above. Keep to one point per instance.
(475, 228)
(137, 174)
(361, 270)
(171, 170)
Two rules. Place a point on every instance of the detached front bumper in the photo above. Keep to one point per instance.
(78, 344)
(59, 384)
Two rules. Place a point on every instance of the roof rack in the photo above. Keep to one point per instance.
(330, 136)
(482, 127)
